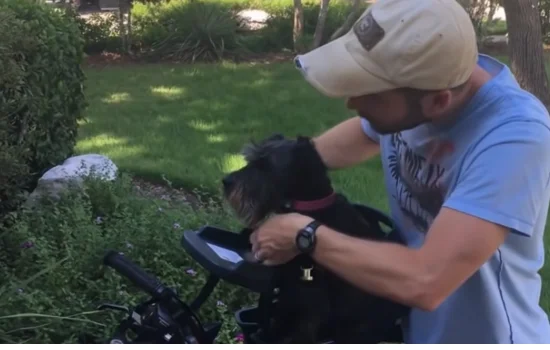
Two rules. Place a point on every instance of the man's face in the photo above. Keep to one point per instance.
(389, 112)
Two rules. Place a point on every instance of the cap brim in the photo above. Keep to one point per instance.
(332, 70)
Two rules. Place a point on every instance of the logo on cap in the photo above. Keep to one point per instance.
(368, 31)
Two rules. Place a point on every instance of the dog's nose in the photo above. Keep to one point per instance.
(227, 181)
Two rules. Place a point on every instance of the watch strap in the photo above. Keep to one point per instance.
(308, 232)
(312, 227)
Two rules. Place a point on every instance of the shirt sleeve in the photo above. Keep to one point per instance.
(369, 131)
(505, 178)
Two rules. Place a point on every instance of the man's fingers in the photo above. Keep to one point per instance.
(253, 238)
(259, 255)
(256, 251)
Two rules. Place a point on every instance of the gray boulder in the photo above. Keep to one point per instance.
(72, 172)
(252, 19)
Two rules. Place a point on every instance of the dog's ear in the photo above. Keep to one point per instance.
(276, 137)
(303, 139)
(256, 150)
(251, 151)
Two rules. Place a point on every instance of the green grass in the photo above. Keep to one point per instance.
(188, 123)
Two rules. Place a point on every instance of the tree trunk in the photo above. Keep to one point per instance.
(493, 5)
(125, 24)
(122, 28)
(129, 31)
(348, 22)
(525, 47)
(321, 20)
(298, 30)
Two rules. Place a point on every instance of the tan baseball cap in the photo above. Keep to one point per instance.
(422, 44)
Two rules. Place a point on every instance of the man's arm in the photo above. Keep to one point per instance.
(345, 145)
(501, 189)
(456, 246)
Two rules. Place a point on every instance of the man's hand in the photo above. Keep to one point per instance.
(274, 242)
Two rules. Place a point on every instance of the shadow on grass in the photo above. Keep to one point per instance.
(189, 123)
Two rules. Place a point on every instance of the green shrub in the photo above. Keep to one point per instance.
(200, 28)
(51, 262)
(41, 93)
(278, 34)
(497, 27)
(100, 33)
(187, 31)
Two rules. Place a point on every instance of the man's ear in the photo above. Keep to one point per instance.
(437, 103)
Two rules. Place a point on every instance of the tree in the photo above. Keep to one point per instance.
(477, 10)
(352, 17)
(125, 24)
(493, 5)
(320, 27)
(526, 47)
(298, 31)
(125, 21)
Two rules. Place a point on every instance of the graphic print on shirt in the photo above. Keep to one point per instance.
(417, 181)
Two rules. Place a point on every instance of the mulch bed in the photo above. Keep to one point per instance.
(160, 191)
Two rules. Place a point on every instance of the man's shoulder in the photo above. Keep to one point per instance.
(504, 97)
(507, 112)
(517, 137)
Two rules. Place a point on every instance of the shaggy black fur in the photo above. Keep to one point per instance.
(279, 172)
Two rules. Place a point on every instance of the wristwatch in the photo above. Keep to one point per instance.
(306, 239)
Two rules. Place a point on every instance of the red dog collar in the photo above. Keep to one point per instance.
(315, 204)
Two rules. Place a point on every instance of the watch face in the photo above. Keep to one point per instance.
(303, 242)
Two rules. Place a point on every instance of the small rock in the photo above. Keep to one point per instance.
(252, 19)
(496, 42)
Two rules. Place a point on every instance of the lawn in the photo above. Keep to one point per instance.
(188, 123)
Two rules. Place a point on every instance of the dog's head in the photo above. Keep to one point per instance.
(277, 170)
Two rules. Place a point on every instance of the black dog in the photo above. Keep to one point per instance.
(285, 175)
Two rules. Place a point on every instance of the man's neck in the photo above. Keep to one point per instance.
(478, 78)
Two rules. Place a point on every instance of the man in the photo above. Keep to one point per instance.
(466, 157)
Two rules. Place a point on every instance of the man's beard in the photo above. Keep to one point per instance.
(414, 118)
(409, 122)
